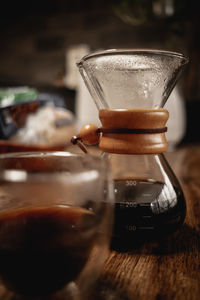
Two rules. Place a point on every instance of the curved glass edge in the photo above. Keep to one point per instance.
(37, 154)
(86, 165)
(92, 161)
(133, 52)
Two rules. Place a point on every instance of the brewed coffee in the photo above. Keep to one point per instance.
(147, 207)
(44, 248)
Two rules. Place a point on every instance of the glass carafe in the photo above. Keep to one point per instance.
(130, 88)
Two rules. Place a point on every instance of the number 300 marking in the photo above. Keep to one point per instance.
(131, 183)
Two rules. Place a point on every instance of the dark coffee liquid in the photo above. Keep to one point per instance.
(44, 248)
(147, 207)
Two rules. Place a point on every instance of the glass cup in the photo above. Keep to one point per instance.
(55, 223)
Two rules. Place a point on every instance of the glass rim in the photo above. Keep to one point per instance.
(87, 163)
(133, 51)
(46, 153)
(89, 158)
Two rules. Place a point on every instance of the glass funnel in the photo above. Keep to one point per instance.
(130, 88)
(131, 79)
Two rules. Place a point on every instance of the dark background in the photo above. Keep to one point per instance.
(34, 37)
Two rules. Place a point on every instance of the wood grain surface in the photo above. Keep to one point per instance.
(170, 267)
(164, 269)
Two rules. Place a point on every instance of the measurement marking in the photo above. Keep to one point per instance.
(146, 182)
(149, 228)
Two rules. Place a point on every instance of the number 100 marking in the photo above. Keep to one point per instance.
(131, 227)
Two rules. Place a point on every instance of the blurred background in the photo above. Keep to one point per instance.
(42, 40)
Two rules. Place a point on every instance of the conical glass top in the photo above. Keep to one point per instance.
(131, 79)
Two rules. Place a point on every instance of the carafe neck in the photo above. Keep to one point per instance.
(133, 131)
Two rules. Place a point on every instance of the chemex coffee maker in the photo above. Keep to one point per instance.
(130, 89)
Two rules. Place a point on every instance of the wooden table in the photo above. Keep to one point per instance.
(170, 268)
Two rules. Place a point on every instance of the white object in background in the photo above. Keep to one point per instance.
(177, 118)
(85, 109)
